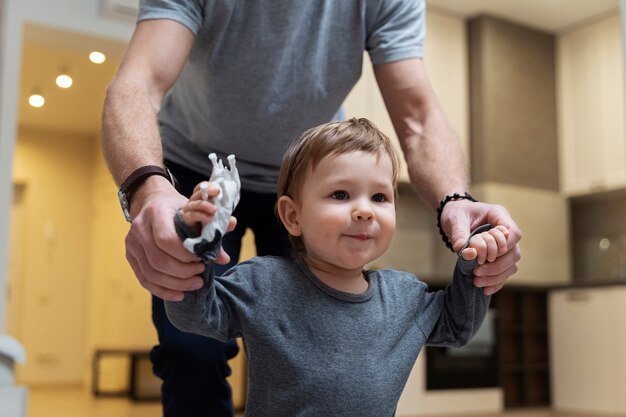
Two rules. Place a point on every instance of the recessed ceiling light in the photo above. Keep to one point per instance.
(36, 100)
(64, 81)
(97, 57)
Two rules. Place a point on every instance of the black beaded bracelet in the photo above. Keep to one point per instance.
(442, 204)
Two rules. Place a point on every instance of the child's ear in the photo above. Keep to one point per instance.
(288, 213)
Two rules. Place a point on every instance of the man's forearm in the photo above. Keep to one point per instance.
(431, 149)
(130, 134)
(434, 157)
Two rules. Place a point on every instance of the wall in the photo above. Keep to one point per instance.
(115, 293)
(622, 4)
(9, 78)
(514, 141)
(55, 234)
(73, 15)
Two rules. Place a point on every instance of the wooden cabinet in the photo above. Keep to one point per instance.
(590, 76)
(523, 358)
(520, 364)
(588, 349)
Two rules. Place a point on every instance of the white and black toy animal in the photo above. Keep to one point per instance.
(208, 244)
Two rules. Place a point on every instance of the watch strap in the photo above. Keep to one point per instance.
(134, 180)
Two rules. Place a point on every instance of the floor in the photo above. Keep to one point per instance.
(78, 402)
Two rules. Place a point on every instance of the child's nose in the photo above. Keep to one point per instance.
(363, 212)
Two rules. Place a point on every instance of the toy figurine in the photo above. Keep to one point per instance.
(208, 244)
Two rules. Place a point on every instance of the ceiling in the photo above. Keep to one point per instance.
(48, 51)
(547, 15)
(45, 54)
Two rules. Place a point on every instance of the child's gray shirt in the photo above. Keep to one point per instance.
(316, 351)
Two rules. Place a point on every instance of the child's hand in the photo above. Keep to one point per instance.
(199, 210)
(487, 246)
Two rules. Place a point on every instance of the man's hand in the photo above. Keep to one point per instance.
(459, 217)
(155, 252)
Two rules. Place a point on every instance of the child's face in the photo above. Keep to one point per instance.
(346, 211)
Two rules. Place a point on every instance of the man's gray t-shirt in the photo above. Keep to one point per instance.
(261, 72)
(316, 351)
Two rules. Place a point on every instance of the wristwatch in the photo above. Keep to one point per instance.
(134, 180)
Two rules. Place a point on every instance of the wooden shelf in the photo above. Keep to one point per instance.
(520, 361)
(523, 358)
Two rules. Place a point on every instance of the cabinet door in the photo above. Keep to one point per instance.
(591, 108)
(618, 313)
(582, 349)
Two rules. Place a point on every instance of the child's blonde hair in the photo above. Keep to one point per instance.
(335, 138)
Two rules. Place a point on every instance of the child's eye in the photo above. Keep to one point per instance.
(379, 198)
(340, 195)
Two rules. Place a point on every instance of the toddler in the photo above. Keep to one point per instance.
(323, 335)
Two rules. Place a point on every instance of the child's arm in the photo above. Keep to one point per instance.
(454, 315)
(205, 311)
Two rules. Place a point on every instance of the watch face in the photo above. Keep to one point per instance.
(125, 206)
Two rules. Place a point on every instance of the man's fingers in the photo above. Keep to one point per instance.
(459, 232)
(160, 241)
(156, 270)
(500, 265)
(499, 216)
(493, 289)
(469, 253)
(493, 281)
(158, 291)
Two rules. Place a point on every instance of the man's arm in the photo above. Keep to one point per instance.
(432, 151)
(154, 58)
(156, 54)
(437, 166)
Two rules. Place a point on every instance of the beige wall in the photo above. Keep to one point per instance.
(543, 217)
(55, 170)
(120, 307)
(72, 15)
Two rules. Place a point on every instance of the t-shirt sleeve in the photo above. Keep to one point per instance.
(186, 12)
(396, 31)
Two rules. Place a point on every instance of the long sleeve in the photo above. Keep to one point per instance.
(464, 307)
(455, 314)
(209, 310)
(204, 311)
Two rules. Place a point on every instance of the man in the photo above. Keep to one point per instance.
(247, 78)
